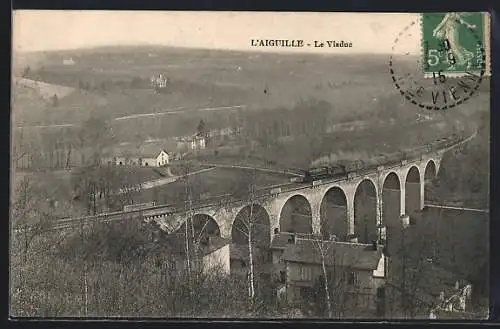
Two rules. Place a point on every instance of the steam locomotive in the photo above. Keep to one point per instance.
(343, 168)
(318, 173)
(338, 170)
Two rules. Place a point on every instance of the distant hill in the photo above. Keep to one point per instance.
(166, 49)
(163, 55)
(116, 80)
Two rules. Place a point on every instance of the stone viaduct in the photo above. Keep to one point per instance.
(357, 207)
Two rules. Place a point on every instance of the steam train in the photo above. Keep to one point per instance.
(343, 168)
(324, 172)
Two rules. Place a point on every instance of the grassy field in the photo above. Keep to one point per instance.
(144, 174)
(31, 109)
(211, 183)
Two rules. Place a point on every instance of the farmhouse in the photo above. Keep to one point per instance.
(146, 156)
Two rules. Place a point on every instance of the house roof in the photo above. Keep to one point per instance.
(147, 150)
(360, 256)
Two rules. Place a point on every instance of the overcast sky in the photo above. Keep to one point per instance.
(54, 30)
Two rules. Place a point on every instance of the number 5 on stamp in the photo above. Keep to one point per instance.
(455, 44)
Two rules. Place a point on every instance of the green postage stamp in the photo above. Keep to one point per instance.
(455, 44)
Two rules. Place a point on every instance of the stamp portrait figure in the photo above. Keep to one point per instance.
(449, 29)
(455, 43)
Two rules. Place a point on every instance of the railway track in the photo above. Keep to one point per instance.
(225, 199)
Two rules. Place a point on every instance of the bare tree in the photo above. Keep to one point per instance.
(251, 229)
(333, 280)
(248, 229)
(28, 219)
(323, 249)
(192, 237)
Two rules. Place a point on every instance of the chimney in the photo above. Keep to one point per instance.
(457, 285)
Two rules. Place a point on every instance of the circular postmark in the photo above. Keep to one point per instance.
(451, 64)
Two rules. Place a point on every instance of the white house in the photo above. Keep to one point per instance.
(162, 158)
(198, 143)
(159, 81)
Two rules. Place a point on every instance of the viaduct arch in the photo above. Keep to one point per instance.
(356, 206)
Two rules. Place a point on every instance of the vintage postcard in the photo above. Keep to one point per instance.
(250, 165)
